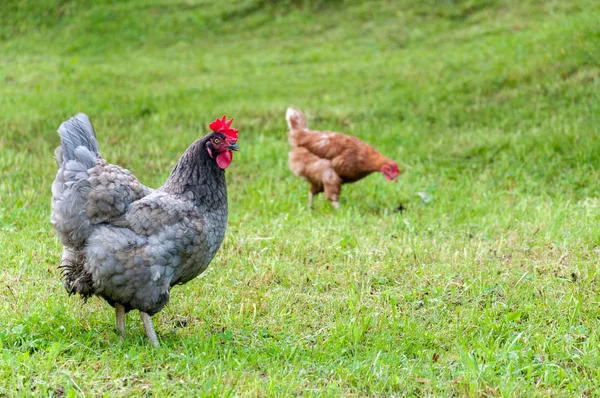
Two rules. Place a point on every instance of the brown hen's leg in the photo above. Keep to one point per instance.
(120, 312)
(314, 189)
(333, 187)
(149, 328)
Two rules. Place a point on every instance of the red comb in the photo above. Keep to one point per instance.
(222, 126)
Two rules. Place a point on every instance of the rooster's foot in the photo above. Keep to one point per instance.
(120, 314)
(149, 328)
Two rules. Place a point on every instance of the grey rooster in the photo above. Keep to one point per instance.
(130, 244)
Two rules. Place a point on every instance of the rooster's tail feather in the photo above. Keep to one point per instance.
(74, 133)
(78, 152)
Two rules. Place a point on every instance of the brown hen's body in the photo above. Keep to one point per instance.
(327, 159)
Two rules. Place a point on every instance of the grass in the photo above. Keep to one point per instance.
(490, 106)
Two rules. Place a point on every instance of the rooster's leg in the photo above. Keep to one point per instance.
(149, 328)
(310, 198)
(120, 312)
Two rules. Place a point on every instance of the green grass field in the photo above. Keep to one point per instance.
(491, 108)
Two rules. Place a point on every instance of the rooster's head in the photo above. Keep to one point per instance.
(222, 141)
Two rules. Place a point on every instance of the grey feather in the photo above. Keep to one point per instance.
(77, 132)
(126, 242)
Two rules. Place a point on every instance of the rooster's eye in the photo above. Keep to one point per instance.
(217, 141)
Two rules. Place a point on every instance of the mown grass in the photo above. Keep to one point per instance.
(489, 288)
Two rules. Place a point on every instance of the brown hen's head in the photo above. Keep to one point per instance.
(390, 170)
(222, 142)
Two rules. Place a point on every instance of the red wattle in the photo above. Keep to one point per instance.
(224, 159)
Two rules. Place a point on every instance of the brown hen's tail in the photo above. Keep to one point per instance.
(295, 119)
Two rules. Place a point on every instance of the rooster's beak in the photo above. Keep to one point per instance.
(233, 147)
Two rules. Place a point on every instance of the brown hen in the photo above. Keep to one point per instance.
(327, 160)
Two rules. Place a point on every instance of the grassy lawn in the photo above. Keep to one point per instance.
(490, 287)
